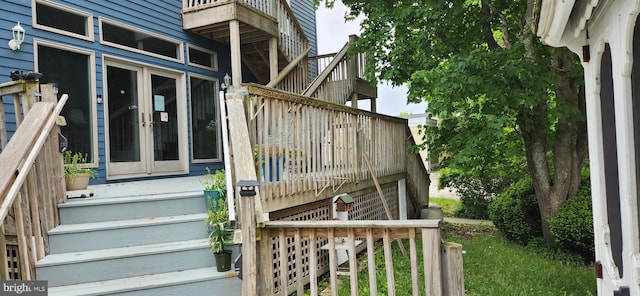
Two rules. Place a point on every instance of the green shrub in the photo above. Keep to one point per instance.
(572, 226)
(515, 212)
(474, 199)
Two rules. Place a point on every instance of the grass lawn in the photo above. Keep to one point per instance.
(492, 266)
(449, 205)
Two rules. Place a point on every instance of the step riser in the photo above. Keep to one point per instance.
(125, 237)
(227, 287)
(132, 210)
(93, 271)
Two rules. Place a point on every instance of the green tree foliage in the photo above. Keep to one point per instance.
(500, 94)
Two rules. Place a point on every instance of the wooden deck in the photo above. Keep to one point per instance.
(264, 34)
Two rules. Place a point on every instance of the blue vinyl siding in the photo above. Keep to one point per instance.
(306, 15)
(160, 17)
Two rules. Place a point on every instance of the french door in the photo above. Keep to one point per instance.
(146, 122)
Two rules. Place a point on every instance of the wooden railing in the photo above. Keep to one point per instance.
(292, 41)
(307, 150)
(31, 183)
(417, 178)
(440, 274)
(339, 72)
(265, 6)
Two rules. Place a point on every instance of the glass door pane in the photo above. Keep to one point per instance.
(165, 118)
(124, 131)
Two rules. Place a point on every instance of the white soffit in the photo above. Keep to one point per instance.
(554, 16)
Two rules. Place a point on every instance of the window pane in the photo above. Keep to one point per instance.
(200, 57)
(124, 133)
(70, 71)
(61, 19)
(139, 40)
(204, 119)
(165, 129)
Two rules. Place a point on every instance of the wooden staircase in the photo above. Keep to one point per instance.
(136, 238)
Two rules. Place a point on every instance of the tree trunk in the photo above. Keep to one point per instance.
(569, 143)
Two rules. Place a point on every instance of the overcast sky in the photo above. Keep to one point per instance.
(333, 33)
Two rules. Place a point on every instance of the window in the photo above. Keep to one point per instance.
(71, 71)
(204, 58)
(137, 40)
(205, 125)
(60, 19)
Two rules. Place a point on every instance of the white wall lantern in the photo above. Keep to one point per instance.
(226, 83)
(18, 37)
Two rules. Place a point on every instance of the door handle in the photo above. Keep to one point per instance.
(150, 119)
(143, 119)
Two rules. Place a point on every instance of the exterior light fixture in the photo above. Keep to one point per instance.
(18, 37)
(227, 82)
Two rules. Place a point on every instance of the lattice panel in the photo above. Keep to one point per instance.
(317, 211)
(13, 262)
(369, 207)
(366, 207)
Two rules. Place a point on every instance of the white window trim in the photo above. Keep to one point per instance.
(88, 16)
(92, 88)
(214, 56)
(216, 84)
(178, 43)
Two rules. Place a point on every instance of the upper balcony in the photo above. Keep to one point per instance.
(260, 21)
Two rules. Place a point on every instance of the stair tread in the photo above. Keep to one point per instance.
(119, 224)
(141, 282)
(124, 252)
(93, 201)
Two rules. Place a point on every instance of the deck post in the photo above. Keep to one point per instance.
(247, 205)
(236, 56)
(273, 59)
(452, 275)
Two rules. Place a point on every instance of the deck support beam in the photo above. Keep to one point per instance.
(273, 59)
(236, 55)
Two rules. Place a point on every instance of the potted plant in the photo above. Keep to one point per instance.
(220, 235)
(215, 188)
(76, 174)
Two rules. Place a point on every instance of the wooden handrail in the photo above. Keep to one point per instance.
(290, 67)
(32, 174)
(39, 121)
(315, 84)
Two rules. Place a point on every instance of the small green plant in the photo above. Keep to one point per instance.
(220, 232)
(74, 164)
(215, 181)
